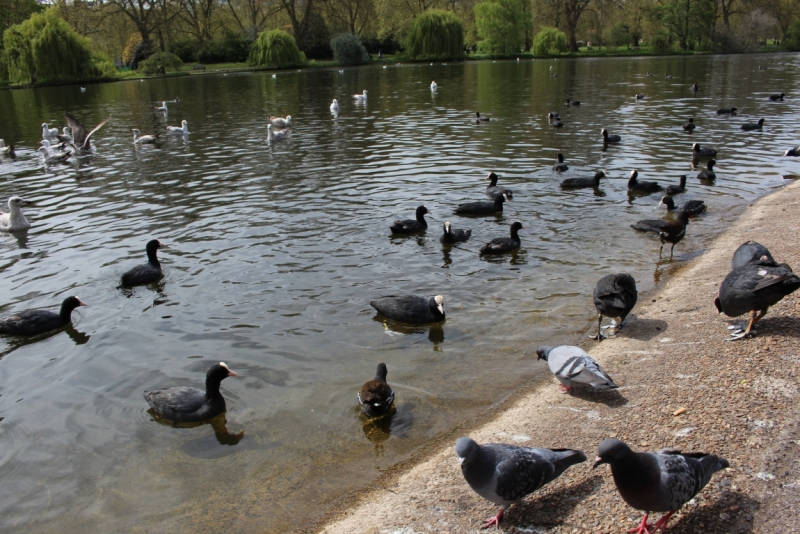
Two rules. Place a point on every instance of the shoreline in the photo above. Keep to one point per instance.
(739, 400)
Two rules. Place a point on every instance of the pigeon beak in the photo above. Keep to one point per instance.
(598, 461)
(461, 460)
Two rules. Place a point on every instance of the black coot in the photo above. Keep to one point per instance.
(642, 187)
(573, 102)
(411, 226)
(454, 235)
(478, 117)
(560, 166)
(727, 111)
(708, 175)
(610, 138)
(690, 126)
(692, 207)
(792, 153)
(483, 208)
(776, 98)
(501, 245)
(411, 309)
(493, 190)
(750, 252)
(376, 397)
(576, 183)
(146, 272)
(34, 322)
(187, 405)
(614, 296)
(703, 152)
(750, 126)
(676, 189)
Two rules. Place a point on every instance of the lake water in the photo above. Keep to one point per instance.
(274, 252)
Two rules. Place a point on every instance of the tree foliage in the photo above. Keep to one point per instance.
(435, 34)
(275, 48)
(549, 42)
(503, 25)
(45, 48)
(160, 63)
(348, 50)
(791, 39)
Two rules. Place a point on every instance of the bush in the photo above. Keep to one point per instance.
(502, 24)
(348, 50)
(549, 42)
(660, 41)
(386, 44)
(186, 50)
(45, 48)
(435, 34)
(316, 38)
(159, 63)
(231, 49)
(620, 36)
(275, 48)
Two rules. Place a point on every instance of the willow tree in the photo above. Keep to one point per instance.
(275, 48)
(45, 48)
(504, 25)
(435, 34)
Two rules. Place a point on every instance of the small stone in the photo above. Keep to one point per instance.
(724, 516)
(679, 411)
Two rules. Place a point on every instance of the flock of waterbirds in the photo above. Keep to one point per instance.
(503, 474)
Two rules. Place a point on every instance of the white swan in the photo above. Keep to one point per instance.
(273, 136)
(48, 132)
(50, 157)
(362, 96)
(5, 150)
(434, 86)
(14, 220)
(163, 107)
(335, 106)
(183, 129)
(281, 122)
(139, 139)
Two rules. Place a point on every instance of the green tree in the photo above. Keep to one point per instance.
(689, 21)
(549, 42)
(275, 48)
(348, 50)
(435, 34)
(573, 9)
(45, 48)
(503, 25)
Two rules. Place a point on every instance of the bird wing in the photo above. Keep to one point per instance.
(520, 472)
(86, 144)
(168, 402)
(78, 130)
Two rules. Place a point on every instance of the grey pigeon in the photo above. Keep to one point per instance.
(572, 366)
(504, 474)
(614, 296)
(660, 481)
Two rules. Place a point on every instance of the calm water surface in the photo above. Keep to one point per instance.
(273, 253)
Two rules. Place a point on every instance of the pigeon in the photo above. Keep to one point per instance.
(560, 166)
(614, 296)
(376, 397)
(642, 187)
(572, 366)
(750, 126)
(660, 481)
(668, 231)
(501, 245)
(186, 405)
(80, 139)
(578, 183)
(14, 220)
(690, 126)
(677, 189)
(454, 235)
(753, 288)
(483, 208)
(610, 138)
(35, 322)
(411, 226)
(493, 190)
(703, 152)
(505, 474)
(692, 207)
(749, 252)
(411, 309)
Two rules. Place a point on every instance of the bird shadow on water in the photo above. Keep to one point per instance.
(16, 342)
(434, 331)
(396, 422)
(550, 510)
(203, 447)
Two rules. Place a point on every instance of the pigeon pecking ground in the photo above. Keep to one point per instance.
(681, 386)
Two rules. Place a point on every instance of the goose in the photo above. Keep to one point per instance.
(273, 136)
(52, 157)
(478, 117)
(434, 86)
(376, 397)
(48, 132)
(185, 404)
(145, 273)
(501, 245)
(692, 207)
(776, 98)
(411, 309)
(362, 96)
(643, 187)
(139, 139)
(703, 152)
(80, 139)
(35, 322)
(610, 138)
(727, 111)
(14, 220)
(614, 296)
(411, 226)
(162, 107)
(281, 122)
(578, 183)
(335, 106)
(677, 189)
(183, 129)
(689, 126)
(9, 150)
(454, 235)
(708, 174)
(559, 165)
(750, 126)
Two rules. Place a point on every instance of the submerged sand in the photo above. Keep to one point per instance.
(736, 399)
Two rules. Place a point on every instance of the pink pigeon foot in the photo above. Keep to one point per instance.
(494, 520)
(662, 523)
(643, 528)
(565, 389)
